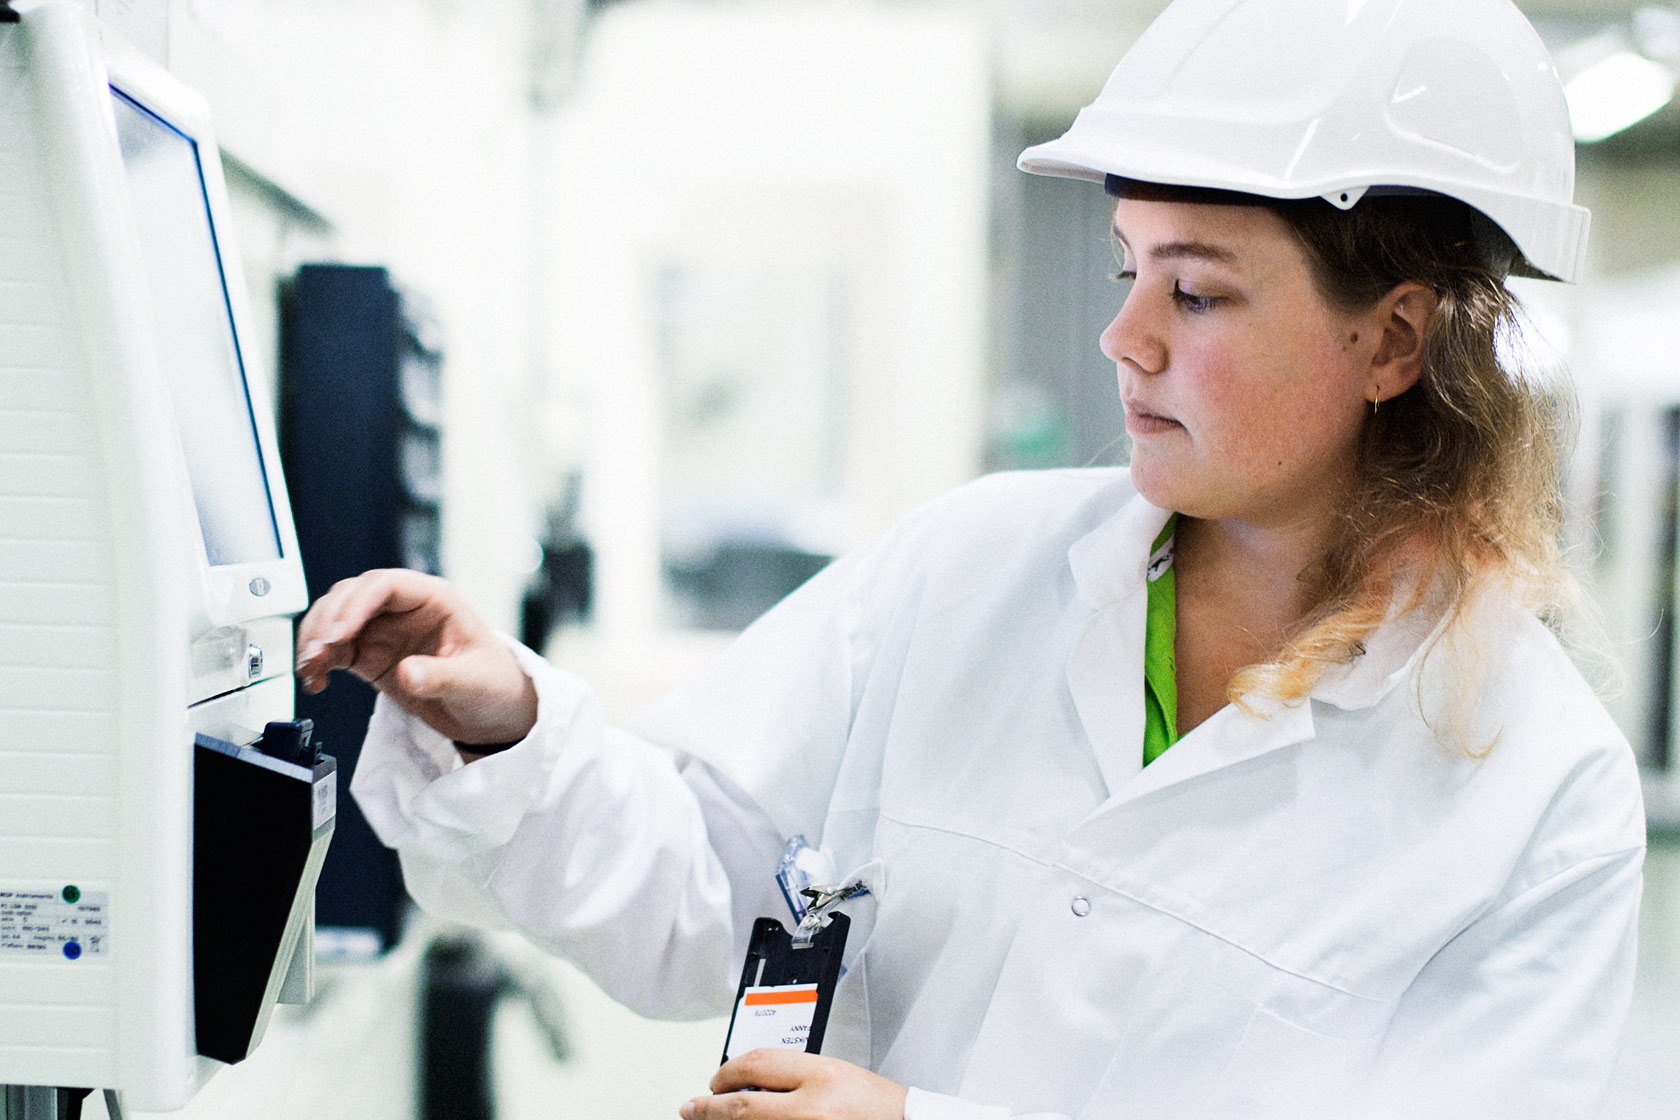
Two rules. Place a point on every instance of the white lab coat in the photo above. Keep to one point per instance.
(1284, 915)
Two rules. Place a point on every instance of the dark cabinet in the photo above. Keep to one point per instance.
(360, 437)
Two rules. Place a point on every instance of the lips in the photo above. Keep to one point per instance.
(1140, 421)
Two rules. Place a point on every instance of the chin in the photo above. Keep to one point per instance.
(1156, 486)
(1169, 493)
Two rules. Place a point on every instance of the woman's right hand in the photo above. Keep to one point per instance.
(416, 640)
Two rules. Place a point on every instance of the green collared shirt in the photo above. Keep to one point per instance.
(1160, 630)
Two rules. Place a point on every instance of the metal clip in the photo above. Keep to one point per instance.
(821, 901)
(802, 866)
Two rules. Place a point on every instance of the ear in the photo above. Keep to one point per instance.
(1402, 318)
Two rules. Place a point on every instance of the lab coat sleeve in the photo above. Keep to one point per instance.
(643, 853)
(922, 1105)
(614, 852)
(1521, 1014)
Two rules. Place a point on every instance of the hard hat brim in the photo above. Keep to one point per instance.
(1550, 238)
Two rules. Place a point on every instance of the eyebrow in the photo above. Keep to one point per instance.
(1180, 250)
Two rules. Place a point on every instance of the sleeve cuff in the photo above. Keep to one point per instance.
(417, 793)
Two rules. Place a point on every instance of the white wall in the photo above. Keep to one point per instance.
(844, 137)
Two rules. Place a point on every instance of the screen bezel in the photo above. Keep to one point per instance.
(231, 593)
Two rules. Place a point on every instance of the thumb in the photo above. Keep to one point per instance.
(428, 678)
(472, 689)
(471, 694)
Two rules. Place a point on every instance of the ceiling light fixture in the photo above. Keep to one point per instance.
(1615, 92)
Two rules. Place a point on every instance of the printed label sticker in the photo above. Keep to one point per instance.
(326, 799)
(777, 1018)
(64, 925)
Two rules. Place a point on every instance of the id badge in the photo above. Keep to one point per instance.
(786, 988)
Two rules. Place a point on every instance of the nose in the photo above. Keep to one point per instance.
(1131, 339)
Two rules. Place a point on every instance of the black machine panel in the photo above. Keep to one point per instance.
(360, 440)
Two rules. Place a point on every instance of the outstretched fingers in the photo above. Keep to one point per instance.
(328, 635)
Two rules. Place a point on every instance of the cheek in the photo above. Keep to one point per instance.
(1246, 397)
(1275, 413)
(1328, 424)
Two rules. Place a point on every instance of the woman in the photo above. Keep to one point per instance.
(1241, 783)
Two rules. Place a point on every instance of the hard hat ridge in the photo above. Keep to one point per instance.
(1331, 98)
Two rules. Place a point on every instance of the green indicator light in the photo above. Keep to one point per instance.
(72, 893)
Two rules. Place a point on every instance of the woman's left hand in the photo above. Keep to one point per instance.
(799, 1085)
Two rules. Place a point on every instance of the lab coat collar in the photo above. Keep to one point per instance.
(1105, 669)
(1391, 655)
(1109, 562)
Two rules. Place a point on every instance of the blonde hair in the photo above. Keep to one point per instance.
(1459, 478)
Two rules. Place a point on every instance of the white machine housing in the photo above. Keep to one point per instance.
(120, 638)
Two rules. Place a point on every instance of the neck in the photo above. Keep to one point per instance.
(1264, 573)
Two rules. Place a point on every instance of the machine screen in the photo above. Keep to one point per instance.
(200, 357)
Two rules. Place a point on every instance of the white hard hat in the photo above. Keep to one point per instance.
(1297, 98)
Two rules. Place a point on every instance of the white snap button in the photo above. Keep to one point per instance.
(1081, 906)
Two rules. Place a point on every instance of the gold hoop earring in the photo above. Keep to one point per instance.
(1374, 401)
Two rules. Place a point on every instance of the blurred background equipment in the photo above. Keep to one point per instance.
(361, 440)
(462, 984)
(561, 589)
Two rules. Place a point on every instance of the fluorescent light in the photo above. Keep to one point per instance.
(1619, 90)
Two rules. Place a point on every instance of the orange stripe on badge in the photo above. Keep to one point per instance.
(807, 996)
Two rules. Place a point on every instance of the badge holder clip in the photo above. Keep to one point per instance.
(786, 987)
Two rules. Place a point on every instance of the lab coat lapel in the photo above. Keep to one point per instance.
(1228, 737)
(1105, 675)
(1105, 669)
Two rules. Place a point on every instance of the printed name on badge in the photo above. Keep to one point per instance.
(773, 1018)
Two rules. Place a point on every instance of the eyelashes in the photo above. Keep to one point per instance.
(1189, 301)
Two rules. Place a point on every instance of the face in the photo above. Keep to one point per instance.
(1244, 390)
